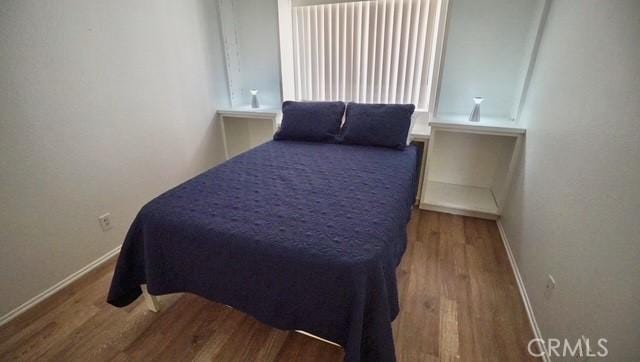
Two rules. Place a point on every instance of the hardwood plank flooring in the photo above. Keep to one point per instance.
(459, 302)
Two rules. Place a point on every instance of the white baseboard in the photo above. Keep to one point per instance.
(523, 291)
(58, 286)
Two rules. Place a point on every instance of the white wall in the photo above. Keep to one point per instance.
(103, 105)
(574, 209)
(256, 23)
(486, 54)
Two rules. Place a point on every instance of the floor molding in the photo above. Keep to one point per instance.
(523, 291)
(57, 287)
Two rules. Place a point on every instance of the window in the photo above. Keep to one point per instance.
(377, 51)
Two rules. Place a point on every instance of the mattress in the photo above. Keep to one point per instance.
(302, 236)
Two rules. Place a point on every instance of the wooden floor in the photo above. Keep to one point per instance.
(459, 301)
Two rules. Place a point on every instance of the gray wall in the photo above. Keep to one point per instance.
(103, 105)
(256, 23)
(574, 209)
(486, 54)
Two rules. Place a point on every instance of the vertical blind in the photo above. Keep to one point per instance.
(374, 51)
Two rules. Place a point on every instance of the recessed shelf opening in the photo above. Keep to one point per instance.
(468, 172)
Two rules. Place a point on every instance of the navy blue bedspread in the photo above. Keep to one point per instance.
(299, 235)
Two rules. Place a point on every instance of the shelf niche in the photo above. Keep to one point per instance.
(469, 173)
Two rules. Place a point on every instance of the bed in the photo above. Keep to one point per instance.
(300, 235)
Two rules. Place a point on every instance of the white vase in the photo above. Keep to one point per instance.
(475, 114)
(254, 98)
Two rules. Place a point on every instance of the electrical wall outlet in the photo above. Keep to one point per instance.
(551, 285)
(105, 221)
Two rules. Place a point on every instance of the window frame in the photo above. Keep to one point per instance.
(287, 76)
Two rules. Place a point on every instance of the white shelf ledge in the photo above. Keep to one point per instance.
(485, 125)
(420, 131)
(248, 112)
(441, 196)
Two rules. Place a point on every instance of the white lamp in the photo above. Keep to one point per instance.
(475, 114)
(254, 98)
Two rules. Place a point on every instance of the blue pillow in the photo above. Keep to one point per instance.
(310, 121)
(385, 125)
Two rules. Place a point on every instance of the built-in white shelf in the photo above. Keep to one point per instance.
(494, 125)
(248, 112)
(470, 165)
(244, 127)
(420, 131)
(460, 197)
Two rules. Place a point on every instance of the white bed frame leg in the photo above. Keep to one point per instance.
(150, 300)
(316, 337)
